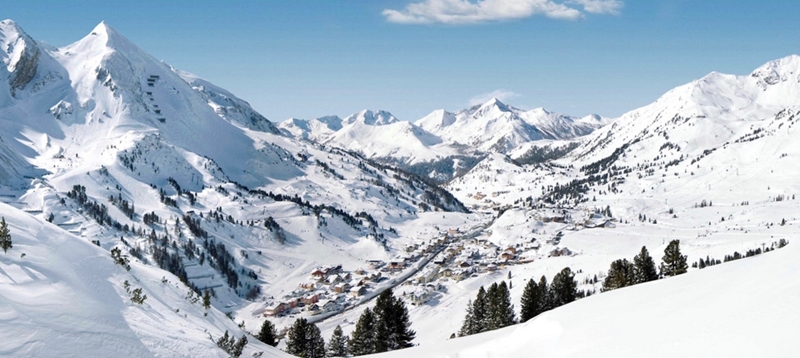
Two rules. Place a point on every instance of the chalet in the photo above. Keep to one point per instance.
(314, 309)
(397, 264)
(310, 298)
(560, 252)
(420, 296)
(342, 287)
(318, 274)
(508, 256)
(375, 264)
(276, 308)
(428, 275)
(309, 285)
(448, 272)
(329, 306)
(358, 291)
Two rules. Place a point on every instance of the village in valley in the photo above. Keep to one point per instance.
(420, 273)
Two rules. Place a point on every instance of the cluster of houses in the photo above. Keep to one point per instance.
(328, 289)
(331, 289)
(462, 259)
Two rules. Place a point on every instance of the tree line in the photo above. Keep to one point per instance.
(385, 327)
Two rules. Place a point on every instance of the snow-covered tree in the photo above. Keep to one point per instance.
(644, 267)
(337, 345)
(304, 340)
(564, 288)
(620, 274)
(531, 302)
(362, 341)
(5, 236)
(268, 334)
(673, 262)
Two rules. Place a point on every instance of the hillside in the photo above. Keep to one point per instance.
(103, 147)
(706, 313)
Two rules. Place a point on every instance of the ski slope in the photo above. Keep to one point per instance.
(744, 308)
(62, 296)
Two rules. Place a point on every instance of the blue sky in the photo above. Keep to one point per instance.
(307, 59)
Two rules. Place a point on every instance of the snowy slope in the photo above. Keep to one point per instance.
(100, 135)
(129, 152)
(63, 296)
(386, 137)
(317, 129)
(707, 313)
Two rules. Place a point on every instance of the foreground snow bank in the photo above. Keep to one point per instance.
(61, 296)
(744, 308)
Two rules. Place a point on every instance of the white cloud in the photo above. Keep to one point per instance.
(501, 94)
(459, 12)
(600, 6)
(467, 12)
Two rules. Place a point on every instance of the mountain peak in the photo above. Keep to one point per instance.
(109, 36)
(370, 117)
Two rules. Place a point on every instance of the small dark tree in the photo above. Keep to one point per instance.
(268, 334)
(362, 341)
(673, 262)
(620, 274)
(546, 298)
(119, 259)
(206, 300)
(5, 236)
(337, 345)
(230, 345)
(469, 326)
(501, 311)
(644, 267)
(531, 303)
(315, 347)
(564, 288)
(296, 341)
(137, 296)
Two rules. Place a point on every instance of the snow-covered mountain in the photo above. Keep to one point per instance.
(316, 129)
(495, 126)
(442, 144)
(103, 147)
(116, 147)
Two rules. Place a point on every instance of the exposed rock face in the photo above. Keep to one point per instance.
(25, 69)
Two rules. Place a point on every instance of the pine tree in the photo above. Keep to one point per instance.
(5, 236)
(492, 308)
(673, 262)
(546, 298)
(531, 303)
(296, 341)
(315, 344)
(392, 325)
(362, 341)
(469, 326)
(268, 334)
(206, 300)
(564, 288)
(480, 311)
(337, 345)
(402, 334)
(383, 328)
(644, 267)
(501, 312)
(620, 274)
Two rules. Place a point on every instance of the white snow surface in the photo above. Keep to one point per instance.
(103, 114)
(61, 296)
(744, 308)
